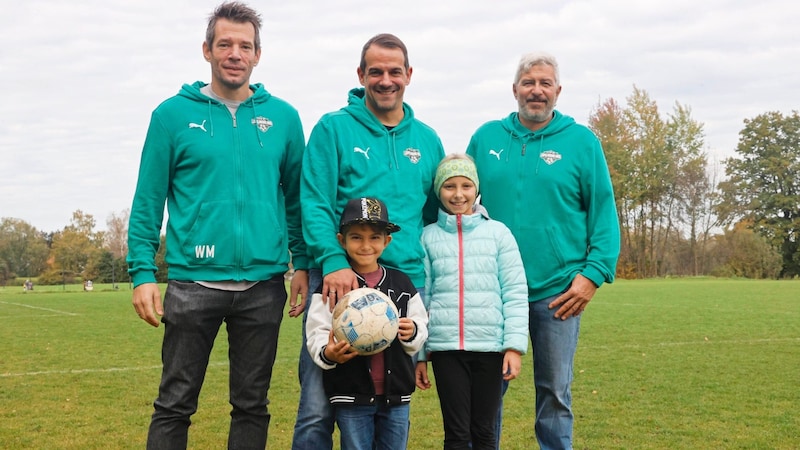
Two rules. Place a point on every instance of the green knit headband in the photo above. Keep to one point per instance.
(450, 168)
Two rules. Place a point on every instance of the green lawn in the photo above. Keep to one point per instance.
(662, 364)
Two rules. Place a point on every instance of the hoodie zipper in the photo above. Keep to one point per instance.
(238, 162)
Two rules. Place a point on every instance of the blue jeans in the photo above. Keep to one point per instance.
(313, 427)
(378, 427)
(192, 317)
(554, 343)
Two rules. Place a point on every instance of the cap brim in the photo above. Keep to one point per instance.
(390, 227)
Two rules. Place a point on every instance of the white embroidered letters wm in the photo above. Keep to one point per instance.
(204, 251)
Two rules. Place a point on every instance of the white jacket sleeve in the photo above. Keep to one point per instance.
(318, 328)
(417, 313)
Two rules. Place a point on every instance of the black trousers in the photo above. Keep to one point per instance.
(470, 388)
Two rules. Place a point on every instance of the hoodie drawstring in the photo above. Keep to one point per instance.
(394, 150)
(538, 156)
(210, 118)
(258, 135)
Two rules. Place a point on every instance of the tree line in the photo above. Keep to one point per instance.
(679, 214)
(74, 254)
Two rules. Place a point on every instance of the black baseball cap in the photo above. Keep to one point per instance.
(367, 210)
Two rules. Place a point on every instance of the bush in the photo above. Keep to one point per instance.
(54, 277)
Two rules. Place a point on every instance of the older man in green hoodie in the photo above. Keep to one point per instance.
(546, 178)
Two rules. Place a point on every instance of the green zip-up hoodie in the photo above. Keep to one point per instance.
(350, 154)
(552, 188)
(231, 185)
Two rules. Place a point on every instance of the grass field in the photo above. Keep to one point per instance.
(661, 364)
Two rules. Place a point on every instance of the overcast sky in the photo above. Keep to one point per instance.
(81, 78)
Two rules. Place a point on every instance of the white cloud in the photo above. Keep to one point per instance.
(82, 78)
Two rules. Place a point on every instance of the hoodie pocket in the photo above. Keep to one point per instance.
(540, 250)
(211, 240)
(223, 235)
(265, 237)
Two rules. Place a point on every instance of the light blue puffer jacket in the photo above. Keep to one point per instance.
(475, 289)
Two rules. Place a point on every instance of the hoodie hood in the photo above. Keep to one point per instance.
(514, 127)
(357, 107)
(192, 91)
(259, 97)
(526, 137)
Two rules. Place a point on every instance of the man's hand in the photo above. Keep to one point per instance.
(339, 352)
(421, 374)
(298, 288)
(406, 329)
(147, 302)
(336, 284)
(574, 301)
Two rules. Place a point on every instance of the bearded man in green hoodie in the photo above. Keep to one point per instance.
(372, 147)
(225, 157)
(546, 178)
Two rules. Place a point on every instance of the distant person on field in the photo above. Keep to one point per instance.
(477, 306)
(225, 157)
(546, 178)
(375, 147)
(370, 394)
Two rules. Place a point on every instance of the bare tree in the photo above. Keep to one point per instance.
(116, 237)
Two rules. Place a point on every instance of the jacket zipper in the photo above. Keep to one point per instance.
(460, 284)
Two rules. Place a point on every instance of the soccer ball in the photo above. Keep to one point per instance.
(367, 319)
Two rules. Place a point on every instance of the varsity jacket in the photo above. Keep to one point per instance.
(475, 290)
(552, 188)
(351, 383)
(350, 154)
(231, 186)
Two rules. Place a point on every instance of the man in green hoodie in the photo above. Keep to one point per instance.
(373, 147)
(546, 178)
(225, 157)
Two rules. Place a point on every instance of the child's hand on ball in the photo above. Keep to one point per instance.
(406, 329)
(339, 352)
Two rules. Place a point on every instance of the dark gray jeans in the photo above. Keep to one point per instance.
(192, 317)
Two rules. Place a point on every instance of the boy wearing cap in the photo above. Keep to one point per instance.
(371, 394)
(476, 297)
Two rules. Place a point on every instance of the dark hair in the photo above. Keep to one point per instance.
(235, 12)
(384, 40)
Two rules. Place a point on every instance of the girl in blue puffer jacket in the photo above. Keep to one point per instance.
(477, 302)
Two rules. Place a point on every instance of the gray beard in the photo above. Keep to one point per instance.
(537, 118)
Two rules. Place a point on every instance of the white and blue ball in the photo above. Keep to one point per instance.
(367, 319)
